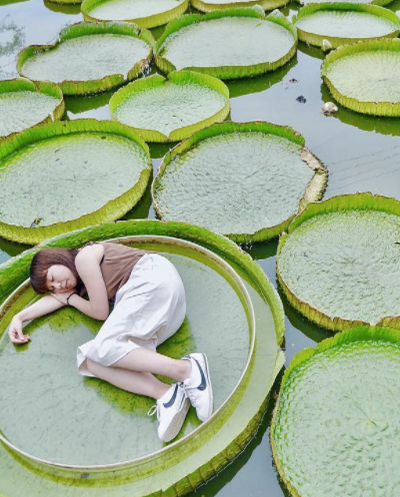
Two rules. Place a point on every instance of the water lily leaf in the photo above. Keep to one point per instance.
(212, 5)
(242, 180)
(62, 176)
(229, 44)
(203, 450)
(339, 265)
(371, 2)
(344, 23)
(364, 76)
(24, 104)
(337, 416)
(144, 13)
(89, 57)
(171, 109)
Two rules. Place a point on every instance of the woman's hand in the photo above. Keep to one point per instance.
(15, 332)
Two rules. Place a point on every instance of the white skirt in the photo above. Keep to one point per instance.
(148, 309)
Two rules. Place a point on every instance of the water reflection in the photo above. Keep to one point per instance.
(74, 9)
(12, 40)
(381, 125)
(247, 86)
(79, 107)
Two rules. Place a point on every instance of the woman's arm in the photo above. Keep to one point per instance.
(44, 306)
(87, 263)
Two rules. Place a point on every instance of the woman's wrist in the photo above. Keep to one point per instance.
(68, 298)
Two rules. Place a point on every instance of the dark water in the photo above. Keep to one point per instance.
(362, 154)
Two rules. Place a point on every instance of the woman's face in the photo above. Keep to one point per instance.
(60, 279)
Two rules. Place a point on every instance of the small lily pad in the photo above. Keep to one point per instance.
(144, 13)
(336, 424)
(245, 181)
(171, 109)
(24, 104)
(344, 23)
(66, 175)
(339, 264)
(364, 77)
(229, 44)
(89, 57)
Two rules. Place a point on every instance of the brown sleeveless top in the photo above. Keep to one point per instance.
(116, 266)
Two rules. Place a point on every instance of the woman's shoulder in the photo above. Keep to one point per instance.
(90, 251)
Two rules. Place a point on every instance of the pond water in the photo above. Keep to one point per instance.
(362, 154)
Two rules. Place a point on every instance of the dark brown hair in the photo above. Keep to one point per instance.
(49, 257)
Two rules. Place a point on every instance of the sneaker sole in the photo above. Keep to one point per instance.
(176, 423)
(210, 392)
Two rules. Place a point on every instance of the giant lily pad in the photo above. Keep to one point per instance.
(144, 13)
(89, 57)
(364, 77)
(243, 180)
(372, 2)
(344, 23)
(339, 265)
(228, 45)
(62, 176)
(24, 104)
(171, 109)
(211, 5)
(243, 375)
(335, 427)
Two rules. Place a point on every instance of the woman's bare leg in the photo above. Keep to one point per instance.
(142, 383)
(145, 360)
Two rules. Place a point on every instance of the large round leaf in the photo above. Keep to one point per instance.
(335, 428)
(339, 265)
(212, 5)
(144, 13)
(171, 109)
(364, 77)
(243, 180)
(24, 104)
(89, 57)
(204, 449)
(372, 2)
(67, 175)
(229, 44)
(343, 23)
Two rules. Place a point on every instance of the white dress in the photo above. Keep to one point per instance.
(148, 309)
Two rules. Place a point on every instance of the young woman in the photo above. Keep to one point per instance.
(149, 307)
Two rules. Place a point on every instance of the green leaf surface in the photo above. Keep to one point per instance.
(55, 178)
(364, 77)
(371, 2)
(171, 109)
(229, 44)
(337, 417)
(183, 465)
(344, 23)
(145, 13)
(340, 262)
(243, 180)
(89, 57)
(24, 104)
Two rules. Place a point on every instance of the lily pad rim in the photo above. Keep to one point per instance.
(42, 87)
(226, 128)
(355, 334)
(173, 77)
(228, 270)
(204, 6)
(311, 313)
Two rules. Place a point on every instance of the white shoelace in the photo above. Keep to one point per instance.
(153, 410)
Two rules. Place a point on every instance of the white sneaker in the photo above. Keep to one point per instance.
(198, 386)
(171, 411)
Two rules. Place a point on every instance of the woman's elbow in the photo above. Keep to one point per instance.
(102, 315)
